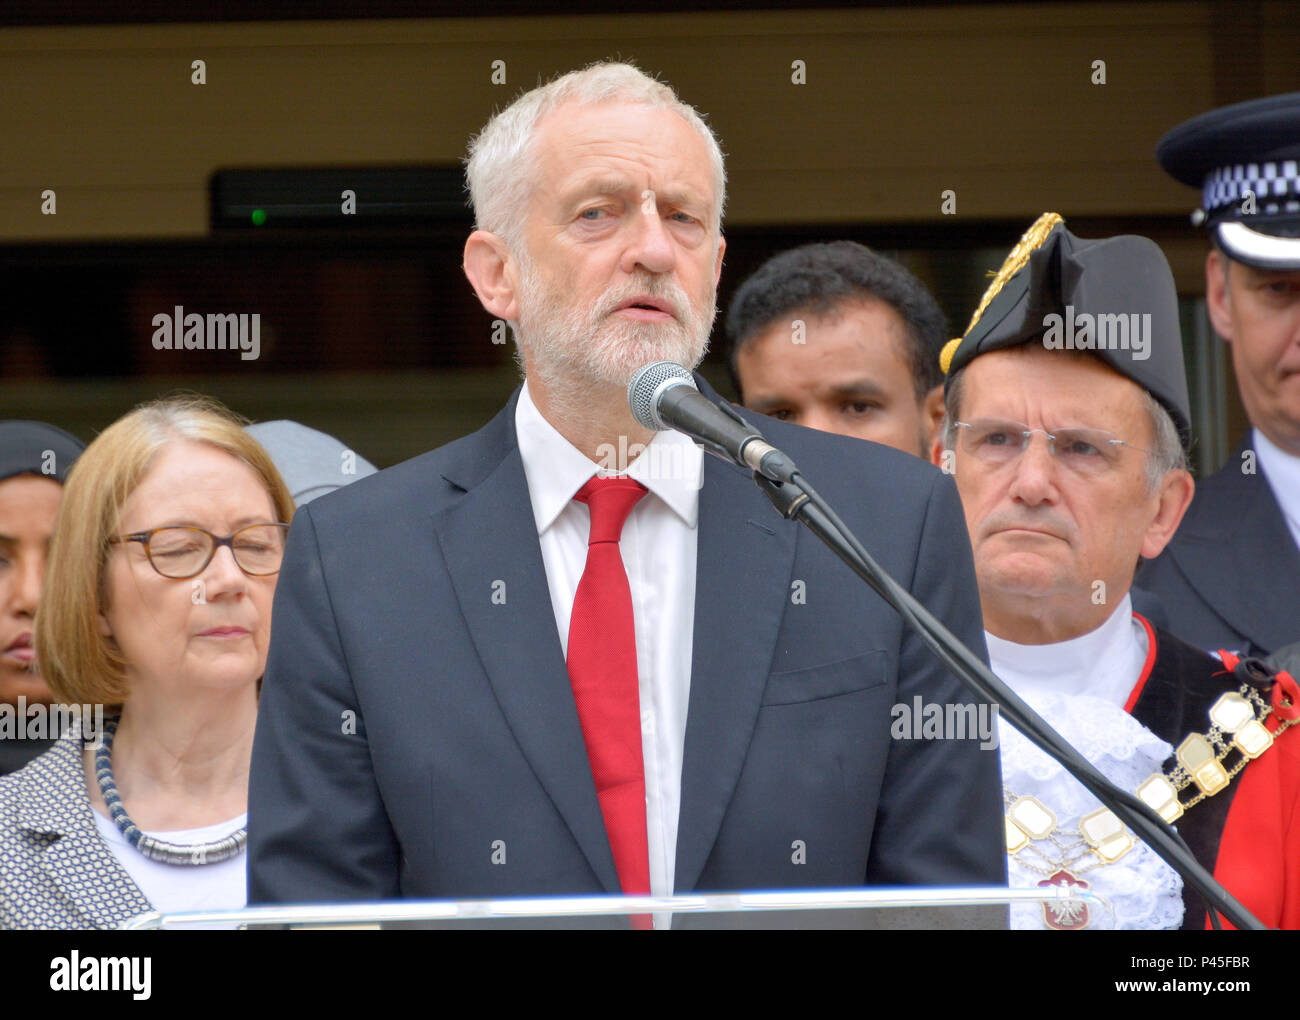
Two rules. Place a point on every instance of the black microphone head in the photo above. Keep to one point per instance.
(646, 387)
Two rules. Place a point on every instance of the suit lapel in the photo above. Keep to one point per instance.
(1240, 552)
(1266, 560)
(490, 537)
(745, 554)
(54, 801)
(75, 862)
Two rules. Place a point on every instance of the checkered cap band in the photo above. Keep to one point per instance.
(1276, 187)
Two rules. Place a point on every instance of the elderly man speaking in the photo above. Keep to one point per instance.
(1066, 429)
(499, 670)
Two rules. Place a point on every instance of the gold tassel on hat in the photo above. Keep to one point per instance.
(1030, 240)
(946, 355)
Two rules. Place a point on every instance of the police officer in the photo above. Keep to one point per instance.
(1228, 578)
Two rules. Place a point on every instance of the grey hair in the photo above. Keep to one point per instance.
(951, 408)
(1167, 453)
(500, 168)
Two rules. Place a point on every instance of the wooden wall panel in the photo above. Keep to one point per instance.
(994, 102)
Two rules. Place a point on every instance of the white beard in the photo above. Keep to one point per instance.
(572, 348)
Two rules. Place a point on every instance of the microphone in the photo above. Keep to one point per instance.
(663, 395)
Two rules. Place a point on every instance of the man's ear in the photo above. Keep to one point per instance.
(717, 265)
(936, 449)
(1216, 293)
(932, 412)
(1176, 493)
(493, 273)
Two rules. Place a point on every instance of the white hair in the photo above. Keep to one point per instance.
(500, 167)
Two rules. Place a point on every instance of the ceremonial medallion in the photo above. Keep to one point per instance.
(1065, 915)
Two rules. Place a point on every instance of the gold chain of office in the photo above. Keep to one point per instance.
(1206, 763)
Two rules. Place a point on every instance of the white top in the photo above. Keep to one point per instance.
(1104, 663)
(1282, 472)
(173, 887)
(1080, 687)
(659, 554)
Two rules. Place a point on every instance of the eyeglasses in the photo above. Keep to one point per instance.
(1082, 450)
(183, 552)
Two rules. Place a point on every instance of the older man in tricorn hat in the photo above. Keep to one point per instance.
(1067, 423)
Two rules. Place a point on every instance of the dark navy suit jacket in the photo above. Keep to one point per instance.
(1231, 576)
(418, 738)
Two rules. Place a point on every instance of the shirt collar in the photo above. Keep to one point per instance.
(1281, 470)
(671, 467)
(1099, 663)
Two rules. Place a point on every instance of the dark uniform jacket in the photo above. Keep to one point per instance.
(1231, 576)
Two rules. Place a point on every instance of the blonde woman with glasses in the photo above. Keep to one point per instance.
(157, 605)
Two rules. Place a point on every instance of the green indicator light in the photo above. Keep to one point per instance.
(259, 217)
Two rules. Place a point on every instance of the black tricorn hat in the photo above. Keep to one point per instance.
(1113, 296)
(1246, 160)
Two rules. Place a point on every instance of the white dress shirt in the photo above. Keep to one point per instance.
(1282, 472)
(659, 554)
(1080, 688)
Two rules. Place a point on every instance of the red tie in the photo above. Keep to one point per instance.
(602, 669)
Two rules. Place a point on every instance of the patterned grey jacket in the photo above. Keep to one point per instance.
(56, 871)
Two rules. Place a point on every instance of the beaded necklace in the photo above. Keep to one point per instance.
(156, 849)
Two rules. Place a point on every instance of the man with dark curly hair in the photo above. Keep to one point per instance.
(840, 338)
